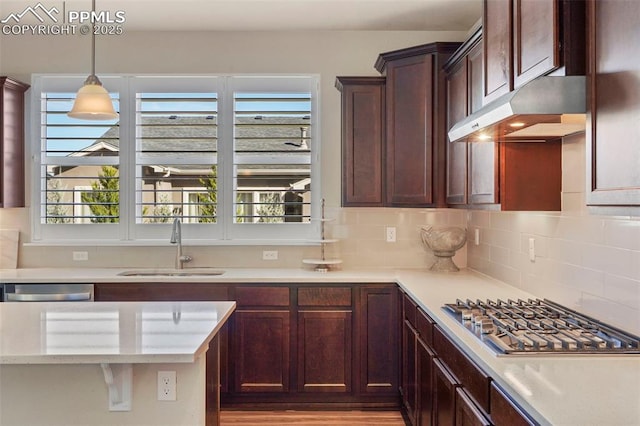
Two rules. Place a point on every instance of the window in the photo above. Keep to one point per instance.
(233, 157)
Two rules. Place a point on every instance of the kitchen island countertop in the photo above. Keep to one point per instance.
(569, 390)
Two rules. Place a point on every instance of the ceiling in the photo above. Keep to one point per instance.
(269, 15)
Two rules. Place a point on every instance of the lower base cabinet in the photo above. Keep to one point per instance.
(260, 348)
(325, 343)
(441, 385)
(336, 346)
(295, 345)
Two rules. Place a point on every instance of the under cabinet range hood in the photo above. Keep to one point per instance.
(546, 108)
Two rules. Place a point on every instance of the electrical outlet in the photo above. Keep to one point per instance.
(532, 249)
(166, 385)
(391, 234)
(270, 255)
(80, 255)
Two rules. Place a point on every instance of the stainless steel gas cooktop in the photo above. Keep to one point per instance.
(536, 326)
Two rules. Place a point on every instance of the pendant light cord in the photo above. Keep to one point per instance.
(93, 37)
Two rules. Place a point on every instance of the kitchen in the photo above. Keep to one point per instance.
(583, 259)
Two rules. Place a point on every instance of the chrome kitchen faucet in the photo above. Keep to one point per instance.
(176, 238)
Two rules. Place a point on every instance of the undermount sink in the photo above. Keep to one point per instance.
(187, 272)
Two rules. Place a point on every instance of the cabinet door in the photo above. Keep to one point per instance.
(12, 142)
(363, 116)
(467, 414)
(409, 378)
(474, 76)
(504, 412)
(425, 384)
(324, 351)
(497, 49)
(261, 351)
(483, 173)
(444, 395)
(378, 339)
(536, 39)
(457, 109)
(409, 171)
(613, 84)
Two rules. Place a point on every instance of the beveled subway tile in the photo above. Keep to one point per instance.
(623, 234)
(609, 259)
(622, 290)
(564, 251)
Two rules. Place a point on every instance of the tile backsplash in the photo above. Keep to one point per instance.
(589, 263)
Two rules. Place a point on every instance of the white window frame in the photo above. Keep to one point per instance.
(224, 231)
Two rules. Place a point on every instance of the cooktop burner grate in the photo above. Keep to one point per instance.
(539, 326)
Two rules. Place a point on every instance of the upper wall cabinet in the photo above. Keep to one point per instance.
(524, 39)
(12, 142)
(416, 128)
(613, 126)
(505, 175)
(363, 119)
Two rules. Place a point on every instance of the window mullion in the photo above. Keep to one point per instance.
(225, 157)
(127, 159)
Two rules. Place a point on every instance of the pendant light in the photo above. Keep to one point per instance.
(92, 100)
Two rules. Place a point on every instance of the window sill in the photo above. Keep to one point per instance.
(165, 243)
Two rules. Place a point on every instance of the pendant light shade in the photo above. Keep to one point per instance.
(92, 100)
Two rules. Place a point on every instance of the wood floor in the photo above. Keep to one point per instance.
(311, 418)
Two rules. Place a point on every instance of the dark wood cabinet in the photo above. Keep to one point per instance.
(506, 413)
(524, 39)
(496, 28)
(295, 345)
(415, 124)
(613, 87)
(325, 339)
(425, 409)
(363, 131)
(260, 351)
(324, 351)
(444, 395)
(495, 172)
(536, 39)
(12, 142)
(467, 172)
(378, 340)
(409, 377)
(260, 347)
(467, 414)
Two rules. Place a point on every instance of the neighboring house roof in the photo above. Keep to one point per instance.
(199, 134)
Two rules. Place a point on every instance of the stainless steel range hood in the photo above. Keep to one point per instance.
(543, 109)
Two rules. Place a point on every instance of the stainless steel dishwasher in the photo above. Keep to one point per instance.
(50, 292)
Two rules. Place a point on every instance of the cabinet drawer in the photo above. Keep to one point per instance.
(324, 296)
(424, 325)
(262, 296)
(409, 308)
(474, 380)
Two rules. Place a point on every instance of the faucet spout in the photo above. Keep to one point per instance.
(176, 238)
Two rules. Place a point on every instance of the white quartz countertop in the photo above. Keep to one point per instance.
(570, 390)
(108, 332)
